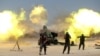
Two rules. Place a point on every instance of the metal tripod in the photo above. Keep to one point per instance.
(16, 44)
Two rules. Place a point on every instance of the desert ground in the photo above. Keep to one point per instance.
(31, 48)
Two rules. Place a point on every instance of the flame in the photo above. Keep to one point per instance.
(9, 24)
(5, 23)
(38, 15)
(85, 21)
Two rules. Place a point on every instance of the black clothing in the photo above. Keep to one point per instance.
(43, 39)
(67, 43)
(82, 40)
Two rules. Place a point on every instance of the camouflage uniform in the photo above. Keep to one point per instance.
(45, 36)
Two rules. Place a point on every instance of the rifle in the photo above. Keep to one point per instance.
(47, 39)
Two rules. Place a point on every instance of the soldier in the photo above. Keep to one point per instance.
(67, 42)
(45, 36)
(42, 40)
(82, 40)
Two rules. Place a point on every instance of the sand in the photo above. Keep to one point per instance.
(30, 48)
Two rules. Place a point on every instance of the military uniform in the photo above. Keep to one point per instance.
(67, 42)
(82, 40)
(42, 43)
(45, 36)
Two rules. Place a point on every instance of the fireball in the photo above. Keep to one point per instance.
(9, 24)
(85, 21)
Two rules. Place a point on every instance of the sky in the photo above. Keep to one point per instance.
(54, 7)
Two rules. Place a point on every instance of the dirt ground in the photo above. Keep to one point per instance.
(30, 48)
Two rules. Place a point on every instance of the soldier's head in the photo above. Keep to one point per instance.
(67, 33)
(44, 27)
(82, 34)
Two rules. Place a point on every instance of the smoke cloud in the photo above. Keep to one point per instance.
(38, 15)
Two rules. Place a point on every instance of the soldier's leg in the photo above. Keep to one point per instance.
(65, 46)
(40, 49)
(45, 49)
(79, 46)
(83, 46)
(68, 49)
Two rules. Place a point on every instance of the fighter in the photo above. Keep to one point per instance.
(45, 36)
(67, 42)
(82, 41)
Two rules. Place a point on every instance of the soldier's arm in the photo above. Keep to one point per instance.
(86, 36)
(78, 37)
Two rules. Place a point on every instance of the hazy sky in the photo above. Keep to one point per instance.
(54, 7)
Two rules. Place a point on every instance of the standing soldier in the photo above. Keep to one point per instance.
(42, 42)
(82, 40)
(67, 42)
(44, 38)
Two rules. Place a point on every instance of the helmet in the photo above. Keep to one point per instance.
(44, 27)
